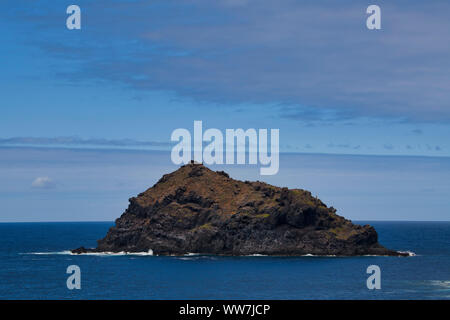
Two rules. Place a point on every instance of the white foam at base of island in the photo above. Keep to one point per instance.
(150, 253)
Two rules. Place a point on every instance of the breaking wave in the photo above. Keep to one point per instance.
(410, 253)
(121, 253)
(444, 284)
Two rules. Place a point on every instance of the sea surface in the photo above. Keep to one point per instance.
(34, 258)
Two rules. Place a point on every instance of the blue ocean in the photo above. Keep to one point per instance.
(34, 259)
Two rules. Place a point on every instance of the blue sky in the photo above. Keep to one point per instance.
(94, 185)
(137, 70)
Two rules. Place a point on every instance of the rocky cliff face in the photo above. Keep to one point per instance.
(196, 210)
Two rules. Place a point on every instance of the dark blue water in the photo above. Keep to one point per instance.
(27, 275)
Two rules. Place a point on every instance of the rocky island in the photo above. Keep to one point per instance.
(197, 210)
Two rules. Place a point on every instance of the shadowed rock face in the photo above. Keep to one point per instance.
(196, 210)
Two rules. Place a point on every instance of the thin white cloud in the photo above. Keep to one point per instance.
(76, 141)
(43, 183)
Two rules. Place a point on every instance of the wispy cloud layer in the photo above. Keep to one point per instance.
(312, 54)
(75, 141)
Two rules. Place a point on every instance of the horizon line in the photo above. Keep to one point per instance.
(113, 221)
(156, 149)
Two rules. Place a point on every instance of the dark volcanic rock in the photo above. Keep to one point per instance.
(196, 210)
